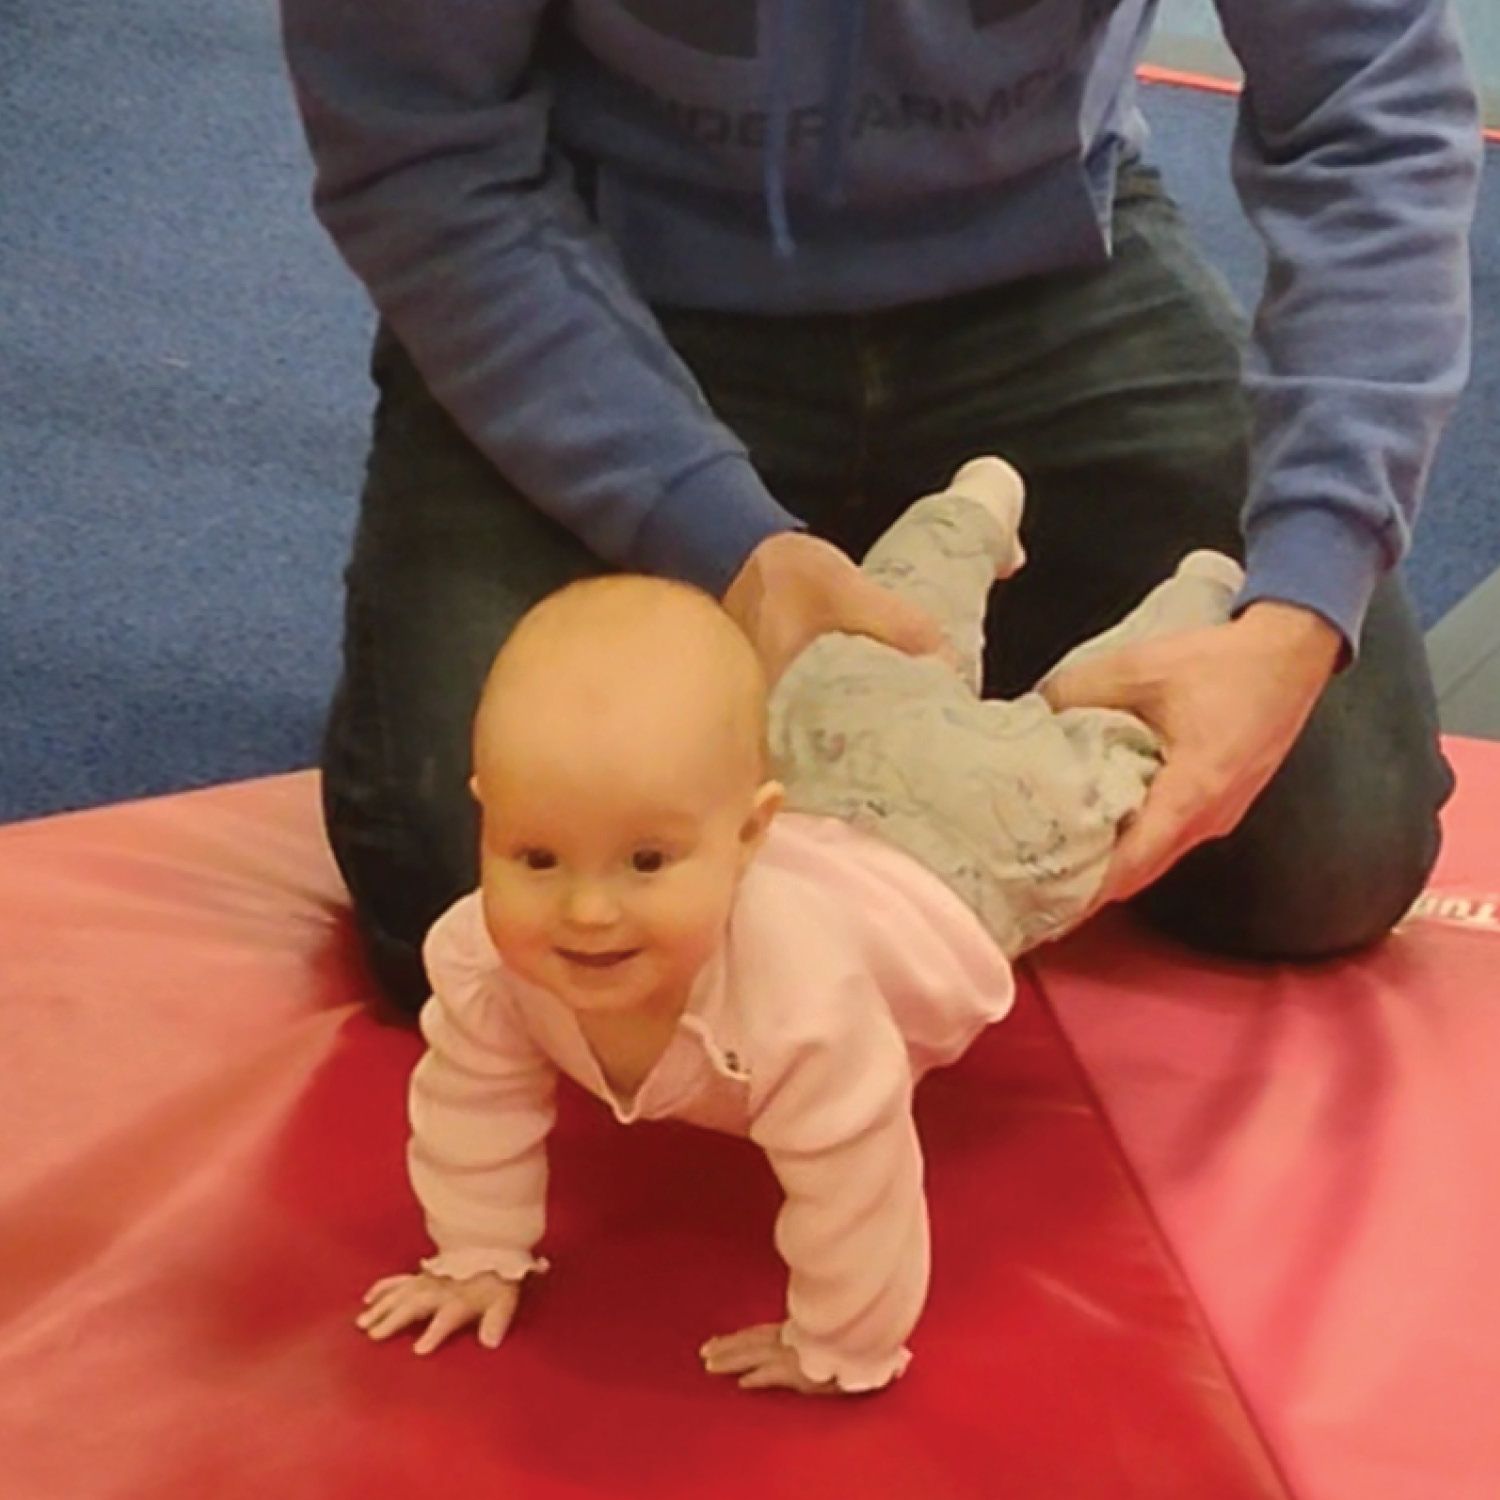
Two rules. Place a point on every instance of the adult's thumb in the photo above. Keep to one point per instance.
(898, 622)
(1089, 684)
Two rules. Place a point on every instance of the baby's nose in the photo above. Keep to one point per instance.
(591, 903)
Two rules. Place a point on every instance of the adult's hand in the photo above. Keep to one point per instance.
(794, 588)
(1228, 702)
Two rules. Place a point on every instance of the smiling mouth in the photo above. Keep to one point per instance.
(597, 960)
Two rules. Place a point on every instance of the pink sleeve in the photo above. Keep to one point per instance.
(837, 1128)
(481, 1106)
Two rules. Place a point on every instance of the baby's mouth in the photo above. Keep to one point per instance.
(597, 960)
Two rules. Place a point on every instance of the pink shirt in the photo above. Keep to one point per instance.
(848, 970)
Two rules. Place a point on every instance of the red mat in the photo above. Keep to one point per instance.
(1320, 1147)
(203, 1170)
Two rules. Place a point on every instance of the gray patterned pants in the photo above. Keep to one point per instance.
(1015, 807)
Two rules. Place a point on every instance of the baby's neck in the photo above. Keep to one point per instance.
(628, 1046)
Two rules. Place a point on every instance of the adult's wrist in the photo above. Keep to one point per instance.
(706, 526)
(1323, 560)
(1295, 631)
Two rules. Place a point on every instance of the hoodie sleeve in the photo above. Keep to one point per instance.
(481, 1107)
(836, 1125)
(428, 125)
(1357, 158)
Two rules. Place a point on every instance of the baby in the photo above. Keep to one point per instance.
(766, 919)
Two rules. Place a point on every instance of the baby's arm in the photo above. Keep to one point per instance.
(481, 1106)
(838, 1130)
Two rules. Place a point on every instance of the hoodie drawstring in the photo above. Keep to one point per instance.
(774, 164)
(843, 65)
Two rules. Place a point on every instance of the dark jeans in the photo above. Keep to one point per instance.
(1115, 392)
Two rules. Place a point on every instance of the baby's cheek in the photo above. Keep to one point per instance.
(513, 924)
(695, 927)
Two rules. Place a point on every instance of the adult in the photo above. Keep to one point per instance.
(713, 290)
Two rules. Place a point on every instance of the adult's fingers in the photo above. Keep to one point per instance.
(1094, 683)
(1174, 818)
(875, 611)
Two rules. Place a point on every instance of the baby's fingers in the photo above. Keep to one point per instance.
(733, 1361)
(784, 1373)
(768, 1376)
(393, 1313)
(761, 1336)
(449, 1318)
(388, 1284)
(734, 1353)
(496, 1321)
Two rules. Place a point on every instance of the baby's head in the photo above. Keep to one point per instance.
(619, 762)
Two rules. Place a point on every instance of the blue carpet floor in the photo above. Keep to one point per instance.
(183, 403)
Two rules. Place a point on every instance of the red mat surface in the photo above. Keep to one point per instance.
(1320, 1146)
(203, 1169)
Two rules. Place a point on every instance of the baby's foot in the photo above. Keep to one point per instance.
(1199, 593)
(993, 484)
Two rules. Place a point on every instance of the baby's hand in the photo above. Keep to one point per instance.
(398, 1301)
(762, 1362)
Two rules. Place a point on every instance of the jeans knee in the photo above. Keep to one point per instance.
(387, 849)
(1332, 881)
(396, 964)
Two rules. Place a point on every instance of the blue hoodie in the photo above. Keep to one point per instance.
(823, 155)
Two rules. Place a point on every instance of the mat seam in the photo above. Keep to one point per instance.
(1137, 1183)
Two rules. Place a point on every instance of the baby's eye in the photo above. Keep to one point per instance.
(647, 861)
(538, 859)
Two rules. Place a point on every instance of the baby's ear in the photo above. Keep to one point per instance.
(769, 796)
(474, 787)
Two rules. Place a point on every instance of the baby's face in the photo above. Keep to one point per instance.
(608, 871)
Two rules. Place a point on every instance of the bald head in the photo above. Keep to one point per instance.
(629, 670)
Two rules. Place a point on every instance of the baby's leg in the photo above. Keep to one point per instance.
(1052, 790)
(948, 548)
(1200, 592)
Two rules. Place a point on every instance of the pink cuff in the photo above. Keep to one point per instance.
(509, 1265)
(849, 1374)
